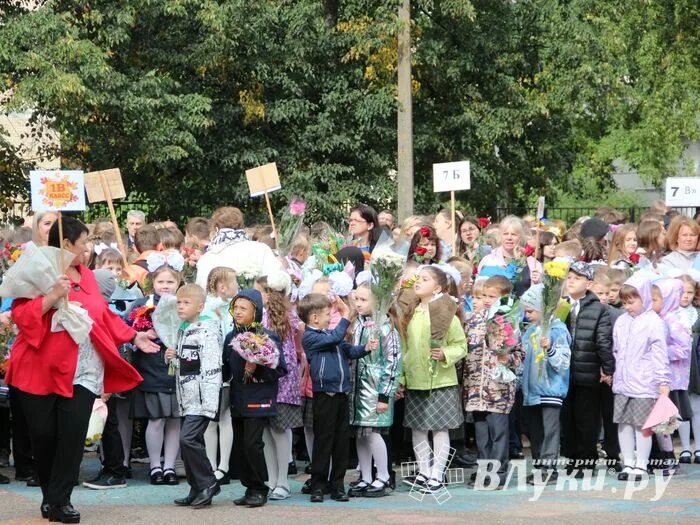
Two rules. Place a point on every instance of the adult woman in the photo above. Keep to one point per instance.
(41, 225)
(57, 380)
(446, 232)
(682, 240)
(363, 226)
(509, 255)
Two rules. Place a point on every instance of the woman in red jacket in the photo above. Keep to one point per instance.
(58, 380)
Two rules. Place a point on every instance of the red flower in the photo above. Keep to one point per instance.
(528, 251)
(421, 251)
(634, 258)
(484, 222)
(424, 231)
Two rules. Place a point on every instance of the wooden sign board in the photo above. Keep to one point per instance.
(263, 179)
(451, 176)
(57, 190)
(95, 190)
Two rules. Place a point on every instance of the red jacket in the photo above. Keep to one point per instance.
(43, 362)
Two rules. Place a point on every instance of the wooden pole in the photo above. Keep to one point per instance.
(537, 240)
(454, 228)
(108, 195)
(272, 217)
(62, 264)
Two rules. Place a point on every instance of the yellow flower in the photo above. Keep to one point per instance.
(556, 269)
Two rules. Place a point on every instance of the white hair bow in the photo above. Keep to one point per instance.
(99, 248)
(157, 259)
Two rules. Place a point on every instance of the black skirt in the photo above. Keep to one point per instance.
(154, 405)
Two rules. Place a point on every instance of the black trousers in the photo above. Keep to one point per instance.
(112, 448)
(5, 428)
(57, 427)
(21, 444)
(250, 458)
(580, 422)
(199, 473)
(611, 444)
(331, 440)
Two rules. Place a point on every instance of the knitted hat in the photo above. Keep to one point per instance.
(583, 269)
(594, 228)
(532, 298)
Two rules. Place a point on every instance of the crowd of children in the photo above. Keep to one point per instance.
(285, 345)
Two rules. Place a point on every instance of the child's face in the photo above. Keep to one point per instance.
(164, 283)
(227, 289)
(478, 302)
(189, 308)
(688, 294)
(603, 292)
(114, 267)
(364, 304)
(576, 285)
(634, 306)
(630, 244)
(491, 296)
(657, 302)
(532, 315)
(321, 319)
(425, 285)
(243, 312)
(548, 250)
(614, 295)
(430, 246)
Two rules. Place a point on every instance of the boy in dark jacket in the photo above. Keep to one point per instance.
(328, 354)
(253, 400)
(592, 363)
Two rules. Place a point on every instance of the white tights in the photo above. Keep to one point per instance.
(630, 438)
(276, 456)
(163, 434)
(438, 456)
(684, 429)
(368, 447)
(221, 441)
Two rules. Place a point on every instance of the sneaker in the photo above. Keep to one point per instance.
(138, 455)
(105, 483)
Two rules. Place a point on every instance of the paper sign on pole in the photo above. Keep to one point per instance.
(94, 188)
(682, 192)
(540, 208)
(451, 176)
(59, 190)
(263, 179)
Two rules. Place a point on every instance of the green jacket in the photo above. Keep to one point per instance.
(416, 371)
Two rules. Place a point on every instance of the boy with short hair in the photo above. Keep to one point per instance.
(601, 284)
(592, 363)
(198, 380)
(617, 279)
(328, 354)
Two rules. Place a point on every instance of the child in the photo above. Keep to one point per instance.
(110, 259)
(429, 378)
(466, 273)
(591, 363)
(691, 322)
(155, 398)
(568, 249)
(327, 354)
(372, 398)
(545, 383)
(623, 247)
(666, 300)
(641, 373)
(617, 279)
(601, 284)
(198, 379)
(425, 247)
(221, 288)
(490, 400)
(279, 318)
(253, 399)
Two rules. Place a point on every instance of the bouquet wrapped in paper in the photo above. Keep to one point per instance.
(503, 334)
(663, 418)
(386, 266)
(247, 271)
(289, 226)
(555, 273)
(96, 426)
(256, 347)
(34, 274)
(166, 323)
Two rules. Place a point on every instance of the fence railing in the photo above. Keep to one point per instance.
(571, 214)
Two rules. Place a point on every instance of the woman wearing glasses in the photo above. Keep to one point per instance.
(363, 225)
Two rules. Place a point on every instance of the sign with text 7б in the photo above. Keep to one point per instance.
(682, 192)
(451, 176)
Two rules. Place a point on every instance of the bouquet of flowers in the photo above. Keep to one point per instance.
(10, 255)
(554, 276)
(503, 334)
(140, 318)
(256, 347)
(7, 336)
(246, 272)
(385, 267)
(289, 226)
(166, 323)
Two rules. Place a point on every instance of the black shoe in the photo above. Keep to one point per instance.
(516, 454)
(292, 469)
(45, 510)
(634, 474)
(205, 497)
(169, 477)
(316, 496)
(157, 476)
(339, 495)
(4, 458)
(256, 500)
(34, 482)
(23, 476)
(356, 482)
(306, 489)
(63, 514)
(417, 482)
(358, 490)
(128, 473)
(392, 480)
(242, 500)
(225, 479)
(377, 492)
(111, 482)
(307, 469)
(696, 458)
(187, 500)
(4, 480)
(685, 457)
(138, 455)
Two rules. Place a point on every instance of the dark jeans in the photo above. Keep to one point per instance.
(5, 428)
(200, 475)
(21, 443)
(331, 440)
(248, 450)
(112, 447)
(544, 425)
(57, 428)
(514, 426)
(580, 423)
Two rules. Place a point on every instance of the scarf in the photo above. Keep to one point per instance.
(228, 237)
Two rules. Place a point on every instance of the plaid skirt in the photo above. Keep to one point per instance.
(307, 410)
(288, 416)
(440, 409)
(632, 410)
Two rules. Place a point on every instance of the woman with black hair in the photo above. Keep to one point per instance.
(57, 379)
(364, 228)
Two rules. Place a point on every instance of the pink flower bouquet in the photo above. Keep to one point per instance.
(256, 348)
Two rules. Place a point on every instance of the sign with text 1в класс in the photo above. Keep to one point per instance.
(682, 192)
